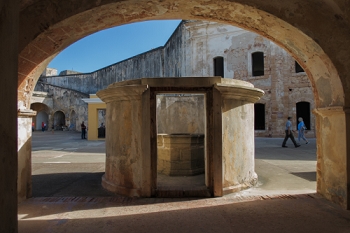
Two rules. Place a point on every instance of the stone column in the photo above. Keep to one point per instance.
(24, 179)
(333, 158)
(128, 156)
(8, 125)
(238, 136)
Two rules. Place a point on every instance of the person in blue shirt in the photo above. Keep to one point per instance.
(301, 130)
(289, 134)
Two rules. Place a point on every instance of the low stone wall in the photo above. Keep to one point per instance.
(180, 154)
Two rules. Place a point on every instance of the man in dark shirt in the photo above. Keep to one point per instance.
(83, 130)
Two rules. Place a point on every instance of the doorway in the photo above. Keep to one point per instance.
(181, 145)
(303, 110)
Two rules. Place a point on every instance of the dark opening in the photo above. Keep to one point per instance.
(59, 120)
(303, 110)
(259, 116)
(258, 63)
(298, 68)
(219, 66)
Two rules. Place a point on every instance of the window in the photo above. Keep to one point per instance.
(303, 111)
(259, 116)
(258, 63)
(298, 68)
(219, 66)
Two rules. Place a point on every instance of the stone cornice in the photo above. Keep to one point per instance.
(239, 92)
(26, 113)
(229, 88)
(92, 100)
(120, 93)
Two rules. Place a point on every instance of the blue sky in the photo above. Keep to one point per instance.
(113, 45)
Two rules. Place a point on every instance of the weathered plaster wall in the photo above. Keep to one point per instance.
(123, 150)
(24, 182)
(238, 142)
(181, 114)
(175, 60)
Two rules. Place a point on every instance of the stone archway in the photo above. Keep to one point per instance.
(306, 42)
(41, 116)
(59, 120)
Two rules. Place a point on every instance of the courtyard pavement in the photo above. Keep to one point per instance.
(68, 197)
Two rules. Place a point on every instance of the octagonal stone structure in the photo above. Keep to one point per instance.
(131, 139)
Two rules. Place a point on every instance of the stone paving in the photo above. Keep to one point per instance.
(68, 197)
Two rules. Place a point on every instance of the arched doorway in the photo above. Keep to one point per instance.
(40, 118)
(316, 56)
(59, 120)
(42, 115)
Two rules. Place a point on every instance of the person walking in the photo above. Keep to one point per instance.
(289, 133)
(83, 130)
(301, 130)
(42, 126)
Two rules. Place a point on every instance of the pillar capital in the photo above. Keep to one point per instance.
(26, 113)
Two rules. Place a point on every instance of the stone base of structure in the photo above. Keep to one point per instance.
(240, 187)
(112, 187)
(180, 154)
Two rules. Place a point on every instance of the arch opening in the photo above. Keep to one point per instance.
(324, 77)
(59, 120)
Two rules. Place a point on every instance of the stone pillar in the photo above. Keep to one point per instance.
(24, 179)
(238, 137)
(128, 155)
(8, 125)
(333, 158)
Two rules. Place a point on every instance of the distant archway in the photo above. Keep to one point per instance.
(59, 120)
(41, 116)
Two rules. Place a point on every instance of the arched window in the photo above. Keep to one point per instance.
(259, 116)
(258, 64)
(298, 68)
(219, 66)
(303, 111)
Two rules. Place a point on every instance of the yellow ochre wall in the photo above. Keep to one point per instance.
(93, 118)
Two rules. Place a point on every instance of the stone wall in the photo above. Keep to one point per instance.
(147, 64)
(65, 100)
